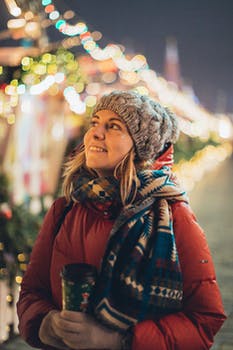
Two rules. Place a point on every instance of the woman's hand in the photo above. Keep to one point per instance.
(46, 332)
(80, 331)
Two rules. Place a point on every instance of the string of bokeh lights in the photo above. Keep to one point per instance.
(197, 120)
(134, 69)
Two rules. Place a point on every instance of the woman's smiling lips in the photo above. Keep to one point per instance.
(97, 149)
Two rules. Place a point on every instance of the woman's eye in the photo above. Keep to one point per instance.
(114, 127)
(93, 123)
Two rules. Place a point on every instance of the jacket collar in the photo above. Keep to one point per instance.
(166, 158)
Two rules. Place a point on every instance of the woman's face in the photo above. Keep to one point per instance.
(106, 142)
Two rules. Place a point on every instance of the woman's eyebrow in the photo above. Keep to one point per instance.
(110, 120)
(117, 119)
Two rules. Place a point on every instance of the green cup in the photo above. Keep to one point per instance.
(78, 281)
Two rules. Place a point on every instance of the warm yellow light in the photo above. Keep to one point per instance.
(26, 61)
(52, 68)
(39, 69)
(142, 90)
(10, 90)
(53, 90)
(208, 158)
(72, 66)
(28, 15)
(32, 29)
(11, 119)
(90, 101)
(89, 45)
(9, 298)
(46, 58)
(3, 272)
(14, 100)
(14, 82)
(21, 257)
(18, 279)
(129, 78)
(79, 87)
(30, 79)
(23, 267)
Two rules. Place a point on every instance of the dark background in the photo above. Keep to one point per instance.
(203, 30)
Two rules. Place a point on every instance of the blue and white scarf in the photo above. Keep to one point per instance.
(140, 276)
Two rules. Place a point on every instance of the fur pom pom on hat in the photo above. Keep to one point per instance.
(150, 125)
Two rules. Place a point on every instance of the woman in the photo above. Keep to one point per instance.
(156, 287)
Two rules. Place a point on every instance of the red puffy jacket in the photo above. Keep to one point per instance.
(83, 237)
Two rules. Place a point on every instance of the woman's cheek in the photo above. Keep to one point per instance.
(86, 138)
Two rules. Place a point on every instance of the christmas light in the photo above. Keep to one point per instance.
(33, 30)
(73, 98)
(142, 90)
(93, 89)
(49, 8)
(11, 119)
(190, 172)
(21, 257)
(54, 15)
(18, 279)
(26, 61)
(109, 77)
(46, 58)
(134, 69)
(13, 8)
(59, 24)
(46, 2)
(58, 131)
(90, 101)
(59, 77)
(42, 86)
(69, 14)
(9, 298)
(10, 90)
(79, 87)
(16, 23)
(96, 35)
(39, 69)
(28, 15)
(225, 127)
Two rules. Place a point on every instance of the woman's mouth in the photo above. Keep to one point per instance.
(97, 149)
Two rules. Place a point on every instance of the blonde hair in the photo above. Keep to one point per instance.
(125, 171)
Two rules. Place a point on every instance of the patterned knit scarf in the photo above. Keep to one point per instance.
(140, 276)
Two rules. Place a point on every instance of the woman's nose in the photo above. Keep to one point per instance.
(99, 132)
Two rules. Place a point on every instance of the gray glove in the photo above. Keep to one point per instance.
(47, 334)
(77, 330)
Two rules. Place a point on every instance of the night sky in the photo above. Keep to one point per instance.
(203, 30)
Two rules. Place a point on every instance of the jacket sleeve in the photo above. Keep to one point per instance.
(202, 315)
(35, 298)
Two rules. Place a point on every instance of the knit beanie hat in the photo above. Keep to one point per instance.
(150, 125)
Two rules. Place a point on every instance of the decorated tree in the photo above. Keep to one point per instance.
(18, 229)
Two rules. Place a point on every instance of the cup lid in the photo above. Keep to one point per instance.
(78, 271)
